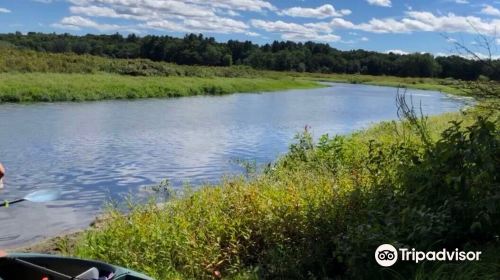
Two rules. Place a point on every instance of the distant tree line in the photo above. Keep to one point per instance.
(280, 55)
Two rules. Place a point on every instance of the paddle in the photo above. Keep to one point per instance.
(44, 269)
(36, 196)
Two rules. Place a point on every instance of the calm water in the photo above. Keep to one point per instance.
(97, 150)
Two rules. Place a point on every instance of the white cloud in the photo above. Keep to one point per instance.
(297, 32)
(453, 23)
(253, 34)
(490, 10)
(301, 37)
(43, 1)
(222, 25)
(425, 22)
(319, 27)
(498, 41)
(382, 3)
(177, 5)
(279, 26)
(173, 15)
(232, 13)
(342, 23)
(240, 5)
(4, 10)
(387, 25)
(223, 16)
(397, 51)
(97, 11)
(478, 55)
(462, 1)
(321, 12)
(364, 39)
(77, 22)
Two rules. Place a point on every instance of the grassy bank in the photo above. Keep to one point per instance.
(321, 210)
(443, 85)
(50, 87)
(29, 76)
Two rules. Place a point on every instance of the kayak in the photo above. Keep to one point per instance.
(49, 267)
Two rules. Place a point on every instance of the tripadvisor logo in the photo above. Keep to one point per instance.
(387, 255)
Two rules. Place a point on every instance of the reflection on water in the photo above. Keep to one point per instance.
(99, 150)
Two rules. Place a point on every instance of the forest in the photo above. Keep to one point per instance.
(196, 49)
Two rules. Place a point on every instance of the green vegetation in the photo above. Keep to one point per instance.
(49, 87)
(24, 61)
(320, 211)
(279, 56)
(443, 85)
(29, 76)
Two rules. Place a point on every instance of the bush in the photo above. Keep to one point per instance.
(25, 61)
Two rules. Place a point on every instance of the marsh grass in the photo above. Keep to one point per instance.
(51, 87)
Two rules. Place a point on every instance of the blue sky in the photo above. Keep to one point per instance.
(380, 25)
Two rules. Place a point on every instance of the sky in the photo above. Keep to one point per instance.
(381, 25)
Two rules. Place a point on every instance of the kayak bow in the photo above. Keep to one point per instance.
(39, 266)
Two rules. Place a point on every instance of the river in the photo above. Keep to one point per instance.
(97, 151)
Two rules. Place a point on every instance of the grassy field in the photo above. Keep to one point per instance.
(50, 87)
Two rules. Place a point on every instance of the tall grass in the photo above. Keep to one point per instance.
(50, 87)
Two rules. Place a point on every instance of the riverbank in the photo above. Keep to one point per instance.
(450, 86)
(29, 76)
(56, 87)
(53, 87)
(297, 217)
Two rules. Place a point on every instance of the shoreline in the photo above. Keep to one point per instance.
(58, 244)
(55, 244)
(60, 87)
(35, 87)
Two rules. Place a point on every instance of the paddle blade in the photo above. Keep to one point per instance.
(43, 195)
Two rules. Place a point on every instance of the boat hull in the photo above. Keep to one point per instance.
(24, 266)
